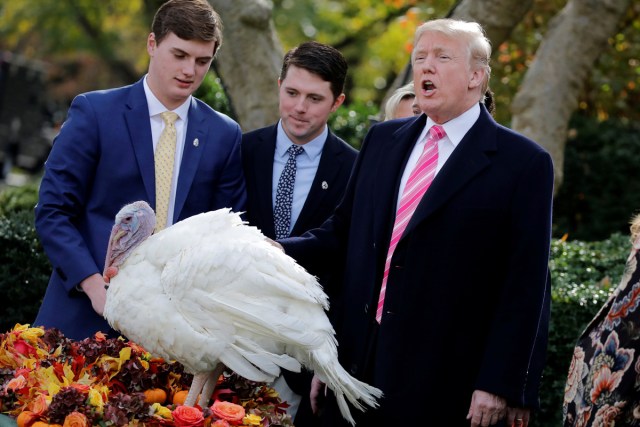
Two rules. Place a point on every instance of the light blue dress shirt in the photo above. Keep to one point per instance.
(307, 166)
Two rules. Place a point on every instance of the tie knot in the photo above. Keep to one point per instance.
(169, 117)
(437, 132)
(295, 150)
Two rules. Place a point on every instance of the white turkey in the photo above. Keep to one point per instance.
(210, 292)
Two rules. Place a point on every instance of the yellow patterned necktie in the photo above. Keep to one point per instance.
(164, 158)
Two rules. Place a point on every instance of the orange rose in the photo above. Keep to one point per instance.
(221, 423)
(228, 411)
(187, 416)
(15, 384)
(39, 405)
(76, 419)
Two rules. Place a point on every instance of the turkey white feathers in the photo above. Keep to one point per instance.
(212, 291)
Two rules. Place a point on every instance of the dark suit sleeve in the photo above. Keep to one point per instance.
(516, 345)
(65, 187)
(318, 248)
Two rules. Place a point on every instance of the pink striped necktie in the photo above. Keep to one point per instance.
(417, 184)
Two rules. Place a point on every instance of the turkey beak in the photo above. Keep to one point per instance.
(116, 234)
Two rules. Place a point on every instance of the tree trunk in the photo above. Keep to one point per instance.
(249, 61)
(497, 17)
(550, 90)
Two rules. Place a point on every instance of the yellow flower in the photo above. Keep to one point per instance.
(29, 334)
(252, 420)
(271, 392)
(161, 411)
(49, 381)
(113, 364)
(95, 399)
(31, 364)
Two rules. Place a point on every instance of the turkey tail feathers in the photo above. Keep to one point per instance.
(344, 386)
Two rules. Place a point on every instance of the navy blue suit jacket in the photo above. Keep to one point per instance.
(103, 159)
(467, 300)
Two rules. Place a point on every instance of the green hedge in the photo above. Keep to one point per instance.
(24, 268)
(600, 192)
(583, 273)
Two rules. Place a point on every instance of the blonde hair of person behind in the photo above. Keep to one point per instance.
(635, 227)
(470, 32)
(403, 92)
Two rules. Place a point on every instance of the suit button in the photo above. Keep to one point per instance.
(353, 369)
(366, 308)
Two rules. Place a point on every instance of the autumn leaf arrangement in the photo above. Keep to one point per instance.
(47, 379)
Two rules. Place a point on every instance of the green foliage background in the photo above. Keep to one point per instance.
(92, 45)
(24, 268)
(601, 191)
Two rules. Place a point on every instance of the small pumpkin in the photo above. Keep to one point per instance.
(155, 395)
(44, 424)
(179, 397)
(25, 418)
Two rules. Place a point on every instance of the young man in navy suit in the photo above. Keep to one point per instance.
(103, 158)
(311, 87)
(446, 284)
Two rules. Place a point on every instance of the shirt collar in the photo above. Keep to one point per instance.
(156, 107)
(457, 128)
(313, 148)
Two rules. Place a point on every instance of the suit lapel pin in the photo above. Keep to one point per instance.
(325, 185)
(196, 142)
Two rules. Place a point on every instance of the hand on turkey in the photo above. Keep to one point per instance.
(94, 287)
(274, 243)
(317, 394)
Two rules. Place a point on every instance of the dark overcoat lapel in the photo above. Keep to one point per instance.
(390, 169)
(467, 160)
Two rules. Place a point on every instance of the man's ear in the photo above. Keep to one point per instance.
(338, 102)
(477, 77)
(151, 44)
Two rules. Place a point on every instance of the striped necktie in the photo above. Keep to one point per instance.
(419, 181)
